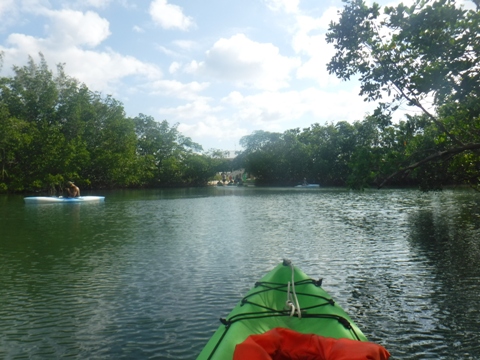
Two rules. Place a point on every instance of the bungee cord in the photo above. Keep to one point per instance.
(291, 297)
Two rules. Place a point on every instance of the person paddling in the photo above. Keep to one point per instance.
(72, 190)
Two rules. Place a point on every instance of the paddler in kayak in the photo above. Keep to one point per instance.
(72, 190)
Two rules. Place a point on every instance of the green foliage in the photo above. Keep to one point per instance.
(407, 52)
(54, 129)
(272, 158)
(410, 55)
(360, 155)
(168, 156)
(198, 169)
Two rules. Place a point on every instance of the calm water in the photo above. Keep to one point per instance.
(148, 273)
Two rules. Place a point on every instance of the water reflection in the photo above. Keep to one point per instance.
(148, 273)
(446, 235)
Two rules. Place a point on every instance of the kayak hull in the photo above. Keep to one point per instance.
(265, 307)
(62, 200)
(308, 186)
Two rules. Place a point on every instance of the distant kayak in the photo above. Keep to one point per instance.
(53, 199)
(288, 313)
(308, 186)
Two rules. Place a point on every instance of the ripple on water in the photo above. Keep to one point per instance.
(148, 276)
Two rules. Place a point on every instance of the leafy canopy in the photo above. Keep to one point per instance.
(425, 56)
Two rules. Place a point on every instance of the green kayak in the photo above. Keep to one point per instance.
(284, 298)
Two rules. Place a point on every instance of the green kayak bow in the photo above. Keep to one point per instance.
(284, 298)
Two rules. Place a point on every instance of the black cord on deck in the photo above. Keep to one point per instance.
(268, 286)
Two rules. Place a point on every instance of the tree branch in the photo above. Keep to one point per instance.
(436, 156)
(387, 62)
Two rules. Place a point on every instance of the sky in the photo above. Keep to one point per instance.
(220, 69)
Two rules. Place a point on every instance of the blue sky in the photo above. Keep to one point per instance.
(220, 69)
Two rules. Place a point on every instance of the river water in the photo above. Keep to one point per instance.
(147, 274)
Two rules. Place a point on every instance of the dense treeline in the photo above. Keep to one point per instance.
(356, 155)
(54, 129)
(425, 56)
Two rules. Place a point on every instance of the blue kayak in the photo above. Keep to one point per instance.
(308, 186)
(53, 199)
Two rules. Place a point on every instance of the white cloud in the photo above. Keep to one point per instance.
(307, 25)
(23, 45)
(185, 44)
(239, 115)
(177, 89)
(317, 54)
(468, 4)
(225, 132)
(246, 63)
(96, 3)
(138, 29)
(288, 6)
(203, 122)
(183, 47)
(269, 111)
(8, 14)
(280, 110)
(167, 51)
(6, 6)
(67, 33)
(197, 109)
(174, 67)
(309, 41)
(103, 70)
(69, 27)
(170, 16)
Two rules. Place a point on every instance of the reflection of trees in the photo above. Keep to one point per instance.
(447, 236)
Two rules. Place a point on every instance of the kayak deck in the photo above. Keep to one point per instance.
(287, 298)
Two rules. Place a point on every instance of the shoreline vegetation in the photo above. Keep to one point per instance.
(56, 130)
(53, 129)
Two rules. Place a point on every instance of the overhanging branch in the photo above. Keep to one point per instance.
(433, 157)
